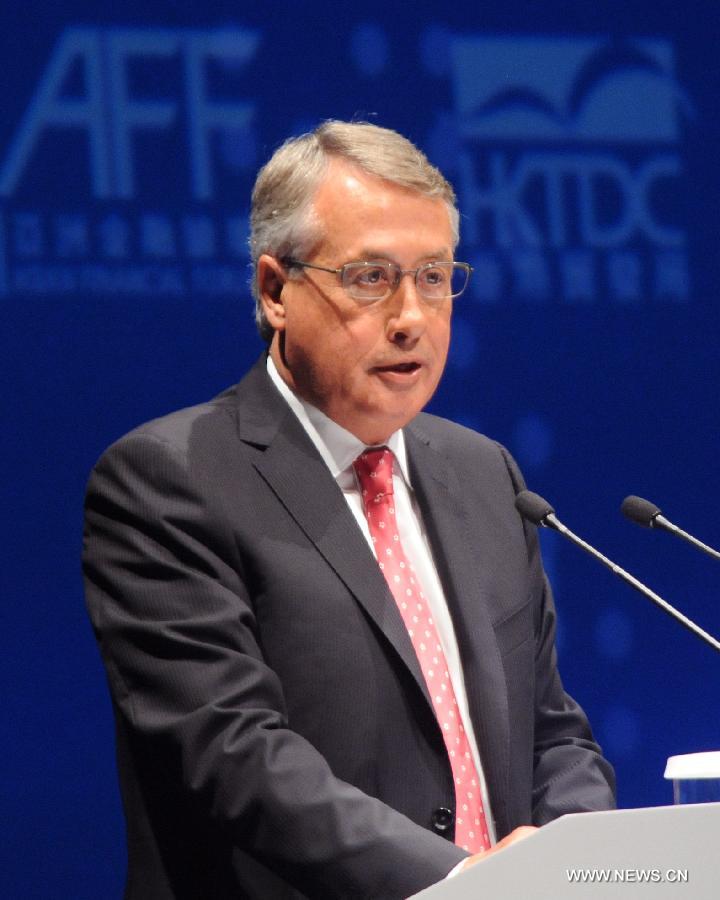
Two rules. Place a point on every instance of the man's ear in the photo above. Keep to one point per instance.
(271, 278)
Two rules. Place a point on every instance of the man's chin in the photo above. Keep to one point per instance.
(376, 428)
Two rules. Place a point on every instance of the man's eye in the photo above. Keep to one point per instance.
(372, 275)
(434, 277)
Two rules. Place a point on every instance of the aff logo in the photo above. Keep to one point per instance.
(569, 170)
(111, 116)
(125, 92)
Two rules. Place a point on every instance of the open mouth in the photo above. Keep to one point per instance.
(403, 368)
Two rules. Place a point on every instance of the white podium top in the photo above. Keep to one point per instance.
(663, 852)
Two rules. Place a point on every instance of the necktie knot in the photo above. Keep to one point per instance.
(374, 469)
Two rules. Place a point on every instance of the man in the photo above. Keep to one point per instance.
(287, 724)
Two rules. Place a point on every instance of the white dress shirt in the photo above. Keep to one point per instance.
(339, 448)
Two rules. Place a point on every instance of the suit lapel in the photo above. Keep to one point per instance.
(295, 472)
(463, 572)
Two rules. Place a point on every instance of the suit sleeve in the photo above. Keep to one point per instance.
(570, 773)
(174, 617)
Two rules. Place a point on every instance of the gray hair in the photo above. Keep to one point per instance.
(283, 221)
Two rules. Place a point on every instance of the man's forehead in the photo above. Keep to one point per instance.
(344, 176)
(362, 216)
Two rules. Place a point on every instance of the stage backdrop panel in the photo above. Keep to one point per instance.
(583, 143)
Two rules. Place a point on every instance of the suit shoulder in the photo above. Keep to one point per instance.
(448, 435)
(466, 447)
(203, 422)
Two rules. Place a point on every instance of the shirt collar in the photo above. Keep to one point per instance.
(337, 446)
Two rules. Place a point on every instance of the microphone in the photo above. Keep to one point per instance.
(645, 513)
(538, 511)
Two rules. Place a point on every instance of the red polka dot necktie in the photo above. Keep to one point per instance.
(374, 473)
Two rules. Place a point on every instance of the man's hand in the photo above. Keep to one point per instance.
(517, 835)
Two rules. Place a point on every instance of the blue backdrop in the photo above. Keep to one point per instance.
(583, 143)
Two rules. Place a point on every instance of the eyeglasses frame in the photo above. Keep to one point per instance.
(291, 262)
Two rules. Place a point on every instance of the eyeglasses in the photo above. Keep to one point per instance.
(369, 282)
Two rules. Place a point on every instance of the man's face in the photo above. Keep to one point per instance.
(369, 368)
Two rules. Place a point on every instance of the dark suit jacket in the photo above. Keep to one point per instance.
(274, 731)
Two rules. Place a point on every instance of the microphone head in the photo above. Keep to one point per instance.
(532, 507)
(640, 511)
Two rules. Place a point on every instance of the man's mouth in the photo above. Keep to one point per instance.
(402, 367)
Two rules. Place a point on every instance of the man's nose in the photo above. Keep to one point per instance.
(408, 311)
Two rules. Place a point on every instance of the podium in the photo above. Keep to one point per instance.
(663, 852)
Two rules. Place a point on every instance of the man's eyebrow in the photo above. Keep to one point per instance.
(371, 254)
